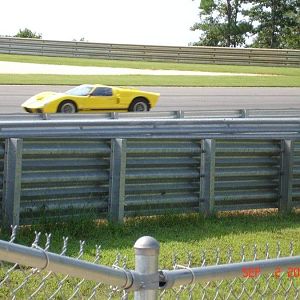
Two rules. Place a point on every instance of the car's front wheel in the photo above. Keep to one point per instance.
(67, 107)
(139, 105)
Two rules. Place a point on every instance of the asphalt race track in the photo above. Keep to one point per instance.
(178, 98)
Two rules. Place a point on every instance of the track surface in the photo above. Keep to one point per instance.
(178, 98)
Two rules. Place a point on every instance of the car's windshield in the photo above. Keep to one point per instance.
(82, 90)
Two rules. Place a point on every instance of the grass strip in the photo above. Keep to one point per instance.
(177, 234)
(287, 71)
(149, 80)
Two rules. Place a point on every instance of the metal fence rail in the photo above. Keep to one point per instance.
(210, 55)
(165, 115)
(266, 278)
(114, 168)
(156, 128)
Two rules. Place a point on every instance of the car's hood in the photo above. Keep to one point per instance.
(44, 97)
(47, 96)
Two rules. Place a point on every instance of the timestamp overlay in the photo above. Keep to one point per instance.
(279, 272)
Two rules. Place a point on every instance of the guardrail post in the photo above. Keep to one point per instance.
(286, 176)
(117, 180)
(146, 263)
(12, 181)
(244, 113)
(207, 175)
(179, 114)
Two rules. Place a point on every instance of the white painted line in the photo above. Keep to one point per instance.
(30, 68)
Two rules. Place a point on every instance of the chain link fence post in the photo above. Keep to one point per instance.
(146, 263)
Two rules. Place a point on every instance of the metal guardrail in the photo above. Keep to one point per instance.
(176, 114)
(201, 55)
(260, 278)
(133, 127)
(64, 166)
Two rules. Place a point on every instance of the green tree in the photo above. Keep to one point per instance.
(276, 23)
(27, 33)
(221, 24)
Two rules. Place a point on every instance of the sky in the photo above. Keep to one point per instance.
(146, 22)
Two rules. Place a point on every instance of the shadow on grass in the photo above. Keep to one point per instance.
(166, 229)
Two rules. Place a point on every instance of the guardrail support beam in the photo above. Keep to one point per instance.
(12, 181)
(244, 113)
(286, 175)
(117, 180)
(207, 175)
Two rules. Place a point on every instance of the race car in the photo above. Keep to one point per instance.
(92, 98)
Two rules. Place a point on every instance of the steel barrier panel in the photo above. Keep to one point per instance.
(247, 174)
(64, 177)
(212, 55)
(162, 176)
(259, 128)
(157, 115)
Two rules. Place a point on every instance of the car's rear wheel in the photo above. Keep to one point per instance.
(139, 105)
(67, 107)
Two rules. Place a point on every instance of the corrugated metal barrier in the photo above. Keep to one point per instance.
(62, 174)
(177, 166)
(247, 174)
(162, 176)
(59, 179)
(201, 55)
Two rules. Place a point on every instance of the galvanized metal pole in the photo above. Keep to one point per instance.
(117, 180)
(12, 181)
(286, 175)
(146, 263)
(207, 179)
(190, 276)
(47, 261)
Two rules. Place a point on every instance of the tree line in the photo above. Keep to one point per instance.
(241, 23)
(27, 33)
(249, 23)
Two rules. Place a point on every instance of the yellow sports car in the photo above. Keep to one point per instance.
(92, 98)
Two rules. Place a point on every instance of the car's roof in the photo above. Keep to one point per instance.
(114, 87)
(95, 85)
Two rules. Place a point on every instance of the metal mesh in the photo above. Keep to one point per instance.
(253, 285)
(19, 282)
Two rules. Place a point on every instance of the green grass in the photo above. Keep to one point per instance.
(149, 65)
(176, 234)
(286, 77)
(141, 80)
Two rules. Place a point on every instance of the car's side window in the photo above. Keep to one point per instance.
(102, 91)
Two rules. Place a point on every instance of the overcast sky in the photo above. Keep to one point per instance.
(149, 22)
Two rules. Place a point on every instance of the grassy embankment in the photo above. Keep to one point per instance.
(273, 76)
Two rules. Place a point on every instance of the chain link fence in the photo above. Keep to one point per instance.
(256, 272)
